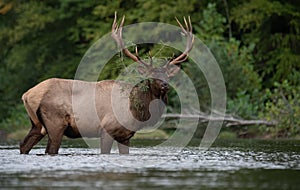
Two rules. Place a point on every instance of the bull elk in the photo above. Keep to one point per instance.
(49, 103)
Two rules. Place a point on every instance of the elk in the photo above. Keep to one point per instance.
(49, 103)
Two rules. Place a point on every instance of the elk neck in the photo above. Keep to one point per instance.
(141, 96)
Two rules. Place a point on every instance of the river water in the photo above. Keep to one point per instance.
(239, 164)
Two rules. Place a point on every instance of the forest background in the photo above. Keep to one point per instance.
(256, 43)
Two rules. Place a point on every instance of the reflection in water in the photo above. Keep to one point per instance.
(226, 166)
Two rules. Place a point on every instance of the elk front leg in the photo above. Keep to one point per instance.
(106, 142)
(123, 147)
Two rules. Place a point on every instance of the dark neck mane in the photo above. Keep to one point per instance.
(140, 97)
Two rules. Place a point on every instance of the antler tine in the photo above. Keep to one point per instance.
(116, 33)
(114, 23)
(190, 23)
(186, 25)
(187, 31)
(182, 28)
(121, 26)
(136, 51)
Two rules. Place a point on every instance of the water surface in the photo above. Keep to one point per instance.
(227, 165)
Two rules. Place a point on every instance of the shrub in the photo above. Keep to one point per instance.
(17, 119)
(283, 105)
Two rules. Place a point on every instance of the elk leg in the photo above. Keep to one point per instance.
(123, 147)
(55, 129)
(106, 143)
(54, 140)
(36, 133)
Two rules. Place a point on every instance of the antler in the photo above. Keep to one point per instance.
(189, 42)
(116, 34)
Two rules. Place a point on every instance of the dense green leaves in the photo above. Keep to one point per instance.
(274, 26)
(284, 105)
(256, 43)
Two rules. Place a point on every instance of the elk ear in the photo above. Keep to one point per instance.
(172, 70)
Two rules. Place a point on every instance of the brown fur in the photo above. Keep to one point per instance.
(49, 106)
(56, 108)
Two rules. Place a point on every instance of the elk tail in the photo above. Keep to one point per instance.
(31, 113)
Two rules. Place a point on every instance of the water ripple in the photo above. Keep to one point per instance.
(77, 159)
(217, 168)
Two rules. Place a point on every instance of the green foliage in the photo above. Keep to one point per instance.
(17, 119)
(244, 105)
(274, 26)
(212, 25)
(235, 60)
(150, 134)
(33, 37)
(256, 44)
(163, 11)
(227, 135)
(283, 106)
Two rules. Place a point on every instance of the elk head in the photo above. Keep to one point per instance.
(161, 75)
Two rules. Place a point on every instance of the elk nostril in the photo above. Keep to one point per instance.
(164, 85)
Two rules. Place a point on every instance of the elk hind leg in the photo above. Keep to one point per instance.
(36, 133)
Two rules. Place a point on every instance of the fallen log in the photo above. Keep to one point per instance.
(228, 121)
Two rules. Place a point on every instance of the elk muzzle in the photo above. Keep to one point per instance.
(164, 86)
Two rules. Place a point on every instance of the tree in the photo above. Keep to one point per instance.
(256, 44)
(274, 28)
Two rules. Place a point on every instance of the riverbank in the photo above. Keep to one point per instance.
(162, 135)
